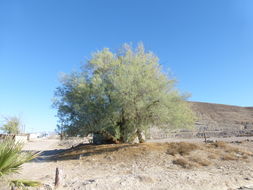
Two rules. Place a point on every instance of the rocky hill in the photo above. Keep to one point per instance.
(222, 117)
(216, 120)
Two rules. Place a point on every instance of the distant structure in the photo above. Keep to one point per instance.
(23, 138)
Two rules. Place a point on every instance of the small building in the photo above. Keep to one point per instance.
(33, 136)
(22, 138)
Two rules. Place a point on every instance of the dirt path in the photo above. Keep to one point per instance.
(42, 145)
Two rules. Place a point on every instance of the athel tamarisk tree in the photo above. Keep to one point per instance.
(120, 96)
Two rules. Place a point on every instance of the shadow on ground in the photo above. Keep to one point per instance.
(47, 155)
(81, 150)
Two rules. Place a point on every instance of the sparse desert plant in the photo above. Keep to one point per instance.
(181, 148)
(212, 156)
(229, 156)
(229, 149)
(183, 163)
(245, 157)
(217, 150)
(219, 144)
(200, 161)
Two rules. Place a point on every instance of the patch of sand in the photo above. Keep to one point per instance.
(145, 166)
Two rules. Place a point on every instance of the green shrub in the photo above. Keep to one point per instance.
(12, 157)
(24, 183)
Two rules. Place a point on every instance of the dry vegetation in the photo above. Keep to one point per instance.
(186, 155)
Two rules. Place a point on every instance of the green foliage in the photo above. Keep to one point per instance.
(12, 157)
(11, 125)
(22, 184)
(120, 95)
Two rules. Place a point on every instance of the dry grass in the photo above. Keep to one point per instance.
(245, 157)
(229, 157)
(228, 148)
(212, 156)
(181, 148)
(200, 161)
(183, 163)
(227, 152)
(191, 161)
(186, 155)
(218, 144)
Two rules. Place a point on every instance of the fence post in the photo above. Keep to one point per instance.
(58, 178)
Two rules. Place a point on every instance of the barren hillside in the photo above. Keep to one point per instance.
(216, 120)
(219, 116)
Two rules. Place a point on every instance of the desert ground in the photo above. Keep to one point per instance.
(153, 165)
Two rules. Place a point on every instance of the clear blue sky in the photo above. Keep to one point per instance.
(207, 44)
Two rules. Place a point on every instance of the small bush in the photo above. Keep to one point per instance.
(181, 148)
(200, 161)
(245, 157)
(212, 156)
(183, 163)
(219, 144)
(229, 157)
(24, 183)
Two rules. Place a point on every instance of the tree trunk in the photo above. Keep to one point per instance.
(110, 137)
(139, 135)
(121, 127)
(205, 137)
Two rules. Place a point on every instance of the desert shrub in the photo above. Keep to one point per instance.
(229, 149)
(183, 163)
(229, 157)
(245, 157)
(212, 156)
(181, 148)
(200, 161)
(219, 144)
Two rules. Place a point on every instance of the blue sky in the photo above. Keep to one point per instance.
(207, 44)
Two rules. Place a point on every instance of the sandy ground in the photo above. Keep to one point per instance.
(140, 170)
(42, 144)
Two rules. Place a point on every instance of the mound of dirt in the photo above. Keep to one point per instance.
(182, 153)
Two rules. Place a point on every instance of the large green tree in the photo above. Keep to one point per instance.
(120, 95)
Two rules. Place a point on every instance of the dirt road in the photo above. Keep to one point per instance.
(42, 144)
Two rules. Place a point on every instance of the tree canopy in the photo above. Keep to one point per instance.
(120, 95)
(12, 125)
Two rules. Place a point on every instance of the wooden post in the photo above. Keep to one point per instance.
(205, 137)
(58, 178)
